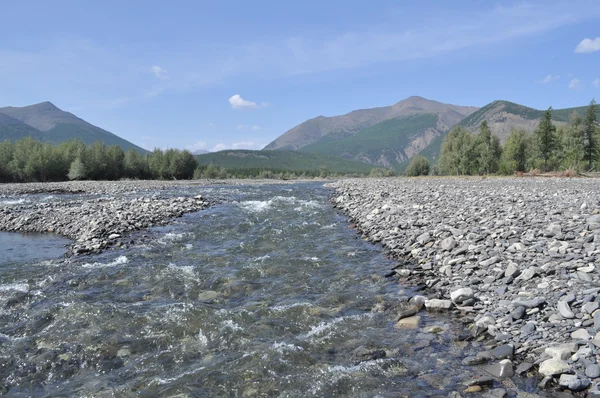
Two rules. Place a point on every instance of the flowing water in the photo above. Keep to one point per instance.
(267, 294)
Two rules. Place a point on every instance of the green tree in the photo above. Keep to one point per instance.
(77, 171)
(419, 166)
(590, 136)
(572, 139)
(489, 150)
(517, 152)
(459, 154)
(546, 137)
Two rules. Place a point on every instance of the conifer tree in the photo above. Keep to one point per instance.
(590, 139)
(546, 135)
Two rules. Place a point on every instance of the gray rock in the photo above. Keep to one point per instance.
(511, 270)
(565, 310)
(438, 305)
(529, 273)
(590, 307)
(551, 367)
(504, 368)
(573, 383)
(489, 261)
(448, 244)
(505, 351)
(462, 294)
(592, 371)
(580, 334)
(518, 313)
(424, 238)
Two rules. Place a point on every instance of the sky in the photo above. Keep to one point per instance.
(217, 75)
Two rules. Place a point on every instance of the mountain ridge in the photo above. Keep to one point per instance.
(351, 123)
(47, 122)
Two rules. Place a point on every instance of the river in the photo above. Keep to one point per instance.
(268, 294)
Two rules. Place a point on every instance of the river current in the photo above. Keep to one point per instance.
(269, 293)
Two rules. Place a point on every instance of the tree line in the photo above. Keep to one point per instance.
(572, 146)
(29, 160)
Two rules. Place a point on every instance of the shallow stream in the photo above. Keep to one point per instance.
(267, 294)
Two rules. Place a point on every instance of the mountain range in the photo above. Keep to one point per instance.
(46, 122)
(391, 136)
(357, 141)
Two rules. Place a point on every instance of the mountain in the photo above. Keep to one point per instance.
(46, 122)
(200, 152)
(325, 129)
(14, 129)
(281, 160)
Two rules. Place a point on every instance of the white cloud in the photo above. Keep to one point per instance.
(235, 145)
(243, 145)
(159, 72)
(596, 83)
(240, 126)
(588, 46)
(256, 128)
(575, 84)
(197, 146)
(219, 147)
(237, 102)
(549, 78)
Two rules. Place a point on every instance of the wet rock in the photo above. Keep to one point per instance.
(410, 322)
(407, 313)
(438, 305)
(362, 353)
(523, 367)
(484, 381)
(505, 351)
(462, 294)
(504, 368)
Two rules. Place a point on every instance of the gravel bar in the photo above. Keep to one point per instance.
(95, 223)
(520, 256)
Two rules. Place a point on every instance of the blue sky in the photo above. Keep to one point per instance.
(237, 74)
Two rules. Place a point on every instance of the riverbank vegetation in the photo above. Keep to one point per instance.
(29, 160)
(572, 146)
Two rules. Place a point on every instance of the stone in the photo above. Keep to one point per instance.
(462, 294)
(590, 307)
(448, 244)
(511, 271)
(472, 389)
(424, 238)
(592, 371)
(529, 273)
(523, 367)
(587, 269)
(573, 382)
(417, 301)
(410, 322)
(580, 334)
(481, 381)
(551, 367)
(560, 353)
(565, 310)
(405, 313)
(502, 369)
(518, 313)
(553, 229)
(490, 261)
(438, 305)
(503, 352)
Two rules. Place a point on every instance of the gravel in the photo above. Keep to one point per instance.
(518, 256)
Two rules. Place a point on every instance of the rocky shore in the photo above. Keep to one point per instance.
(518, 257)
(95, 223)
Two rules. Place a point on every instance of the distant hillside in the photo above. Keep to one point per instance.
(339, 127)
(46, 122)
(386, 144)
(13, 129)
(502, 116)
(281, 160)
